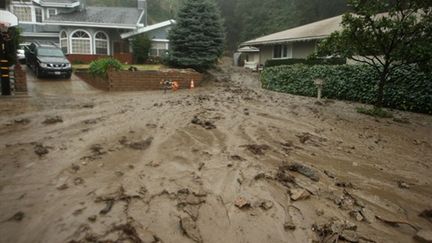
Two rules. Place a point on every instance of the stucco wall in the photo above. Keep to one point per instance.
(303, 49)
(266, 52)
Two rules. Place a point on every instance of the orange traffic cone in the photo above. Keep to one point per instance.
(192, 84)
(175, 86)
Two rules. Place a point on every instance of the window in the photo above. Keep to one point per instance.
(158, 49)
(282, 51)
(51, 12)
(81, 42)
(64, 42)
(101, 43)
(24, 14)
(38, 14)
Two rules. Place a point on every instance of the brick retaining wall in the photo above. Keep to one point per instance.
(141, 80)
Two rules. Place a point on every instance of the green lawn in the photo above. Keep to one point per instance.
(141, 67)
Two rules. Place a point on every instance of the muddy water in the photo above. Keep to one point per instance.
(132, 167)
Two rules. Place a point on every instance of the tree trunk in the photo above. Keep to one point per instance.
(380, 91)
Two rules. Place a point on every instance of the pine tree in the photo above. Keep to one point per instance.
(197, 40)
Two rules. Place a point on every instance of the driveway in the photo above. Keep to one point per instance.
(56, 86)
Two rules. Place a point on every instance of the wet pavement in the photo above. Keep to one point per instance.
(56, 86)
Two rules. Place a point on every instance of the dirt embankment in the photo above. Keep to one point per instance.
(223, 163)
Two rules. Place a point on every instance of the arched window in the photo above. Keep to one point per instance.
(101, 43)
(64, 42)
(81, 42)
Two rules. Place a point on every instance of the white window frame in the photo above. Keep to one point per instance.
(289, 50)
(48, 12)
(71, 50)
(32, 14)
(42, 13)
(64, 38)
(107, 41)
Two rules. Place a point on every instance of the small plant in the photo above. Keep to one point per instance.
(100, 67)
(376, 112)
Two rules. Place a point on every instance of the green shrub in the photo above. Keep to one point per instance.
(310, 61)
(376, 112)
(100, 67)
(141, 46)
(410, 88)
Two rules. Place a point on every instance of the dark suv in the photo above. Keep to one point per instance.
(47, 59)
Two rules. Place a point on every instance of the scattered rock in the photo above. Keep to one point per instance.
(201, 165)
(368, 215)
(349, 235)
(304, 170)
(344, 184)
(329, 174)
(119, 173)
(403, 185)
(153, 163)
(283, 176)
(62, 187)
(87, 105)
(75, 167)
(265, 204)
(22, 121)
(356, 215)
(17, 217)
(304, 137)
(289, 226)
(53, 120)
(241, 203)
(256, 149)
(78, 181)
(319, 212)
(108, 206)
(299, 194)
(189, 227)
(424, 236)
(205, 124)
(92, 218)
(97, 150)
(78, 211)
(40, 149)
(237, 158)
(141, 145)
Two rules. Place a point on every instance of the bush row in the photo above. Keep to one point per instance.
(410, 89)
(312, 61)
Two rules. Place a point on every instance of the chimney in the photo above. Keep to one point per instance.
(142, 4)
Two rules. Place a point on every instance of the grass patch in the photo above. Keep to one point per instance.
(375, 112)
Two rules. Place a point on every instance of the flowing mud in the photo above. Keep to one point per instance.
(228, 162)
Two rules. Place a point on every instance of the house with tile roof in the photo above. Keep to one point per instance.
(87, 32)
(298, 42)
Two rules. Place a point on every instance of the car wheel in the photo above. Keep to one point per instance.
(37, 72)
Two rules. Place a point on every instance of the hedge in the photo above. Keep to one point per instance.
(410, 88)
(313, 61)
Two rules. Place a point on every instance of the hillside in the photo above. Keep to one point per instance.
(247, 19)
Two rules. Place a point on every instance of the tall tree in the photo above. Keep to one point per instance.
(197, 40)
(385, 41)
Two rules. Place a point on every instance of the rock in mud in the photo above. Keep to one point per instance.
(304, 170)
(141, 145)
(205, 124)
(349, 235)
(265, 204)
(53, 120)
(189, 227)
(22, 121)
(356, 215)
(92, 218)
(17, 217)
(424, 236)
(78, 181)
(403, 185)
(256, 148)
(427, 214)
(304, 137)
(242, 203)
(344, 184)
(62, 187)
(108, 206)
(237, 158)
(299, 194)
(40, 149)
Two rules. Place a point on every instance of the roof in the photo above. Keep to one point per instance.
(316, 30)
(148, 28)
(58, 3)
(248, 49)
(109, 17)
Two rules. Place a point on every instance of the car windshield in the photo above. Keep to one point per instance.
(50, 52)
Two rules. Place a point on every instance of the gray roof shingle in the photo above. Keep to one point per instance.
(100, 15)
